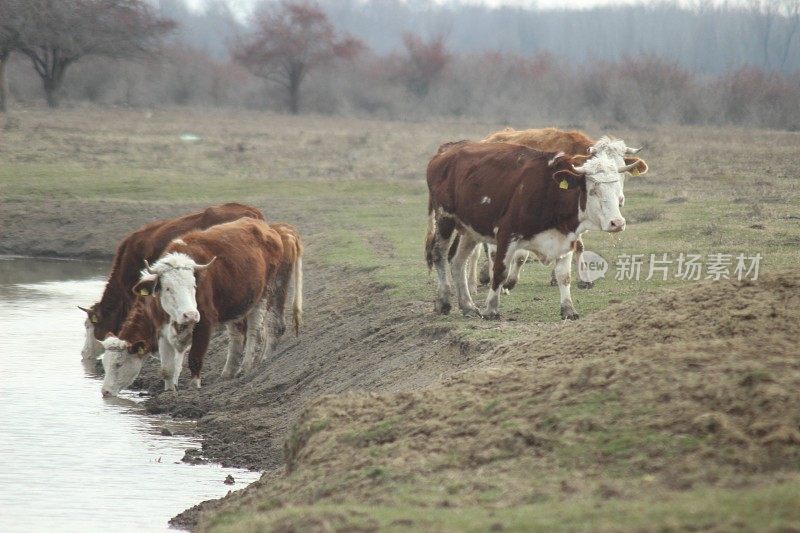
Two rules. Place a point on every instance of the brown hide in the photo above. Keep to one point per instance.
(524, 193)
(142, 325)
(545, 139)
(147, 243)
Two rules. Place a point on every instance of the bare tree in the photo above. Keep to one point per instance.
(425, 63)
(10, 27)
(289, 41)
(56, 33)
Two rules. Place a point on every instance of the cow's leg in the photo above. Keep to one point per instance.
(236, 333)
(516, 267)
(485, 274)
(466, 247)
(275, 321)
(442, 236)
(256, 336)
(563, 271)
(201, 336)
(177, 367)
(502, 259)
(473, 267)
(580, 265)
(166, 354)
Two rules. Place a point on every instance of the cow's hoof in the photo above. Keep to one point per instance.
(585, 284)
(568, 313)
(553, 281)
(471, 312)
(490, 315)
(443, 308)
(196, 383)
(509, 284)
(226, 374)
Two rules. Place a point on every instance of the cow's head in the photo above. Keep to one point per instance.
(122, 362)
(172, 280)
(601, 178)
(622, 155)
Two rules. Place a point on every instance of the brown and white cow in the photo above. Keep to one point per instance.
(145, 244)
(516, 198)
(571, 143)
(219, 275)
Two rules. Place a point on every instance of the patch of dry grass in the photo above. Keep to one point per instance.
(644, 407)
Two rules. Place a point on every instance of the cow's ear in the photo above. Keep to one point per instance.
(639, 169)
(147, 286)
(567, 179)
(138, 348)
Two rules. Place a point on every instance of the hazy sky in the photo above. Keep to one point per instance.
(246, 4)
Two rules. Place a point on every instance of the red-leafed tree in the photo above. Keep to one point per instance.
(425, 63)
(54, 34)
(290, 40)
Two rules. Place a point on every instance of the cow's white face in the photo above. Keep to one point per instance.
(604, 190)
(178, 289)
(120, 365)
(172, 280)
(616, 150)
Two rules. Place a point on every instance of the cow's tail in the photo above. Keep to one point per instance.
(297, 304)
(430, 237)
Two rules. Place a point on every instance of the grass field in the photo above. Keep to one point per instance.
(358, 188)
(708, 191)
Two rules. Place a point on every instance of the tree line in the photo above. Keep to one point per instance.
(295, 55)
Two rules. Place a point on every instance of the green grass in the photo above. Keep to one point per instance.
(772, 508)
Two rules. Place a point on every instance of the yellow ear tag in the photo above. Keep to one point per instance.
(141, 350)
(144, 292)
(564, 184)
(93, 320)
(634, 172)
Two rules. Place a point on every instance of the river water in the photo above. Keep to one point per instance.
(70, 460)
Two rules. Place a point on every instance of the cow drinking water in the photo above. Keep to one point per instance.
(145, 244)
(219, 275)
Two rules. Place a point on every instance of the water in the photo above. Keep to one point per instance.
(70, 460)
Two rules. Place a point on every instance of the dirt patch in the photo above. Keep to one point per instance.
(691, 388)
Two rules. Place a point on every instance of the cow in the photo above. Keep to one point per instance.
(145, 244)
(516, 198)
(221, 275)
(571, 143)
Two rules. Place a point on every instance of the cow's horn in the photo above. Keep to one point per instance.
(203, 267)
(629, 150)
(592, 150)
(147, 267)
(579, 170)
(556, 157)
(626, 168)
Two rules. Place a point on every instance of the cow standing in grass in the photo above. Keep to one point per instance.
(571, 143)
(219, 275)
(145, 244)
(516, 198)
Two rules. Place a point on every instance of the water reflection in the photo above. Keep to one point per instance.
(70, 461)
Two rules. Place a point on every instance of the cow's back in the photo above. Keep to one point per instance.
(545, 139)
